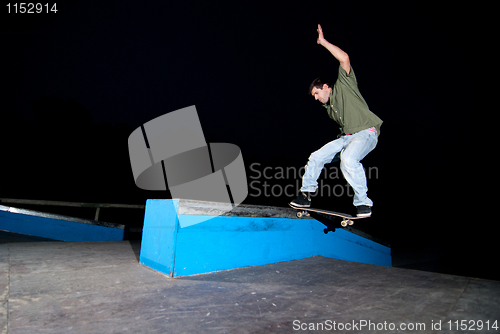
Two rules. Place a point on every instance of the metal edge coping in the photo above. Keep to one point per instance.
(59, 217)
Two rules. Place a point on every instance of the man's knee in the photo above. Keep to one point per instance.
(348, 163)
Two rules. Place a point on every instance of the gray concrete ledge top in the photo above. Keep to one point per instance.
(59, 217)
(192, 207)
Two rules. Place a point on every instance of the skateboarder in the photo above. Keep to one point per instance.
(359, 131)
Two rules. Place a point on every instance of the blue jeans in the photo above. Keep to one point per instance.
(353, 149)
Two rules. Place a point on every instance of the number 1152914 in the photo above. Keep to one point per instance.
(31, 8)
(473, 325)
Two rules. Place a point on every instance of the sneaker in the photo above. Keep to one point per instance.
(303, 201)
(364, 211)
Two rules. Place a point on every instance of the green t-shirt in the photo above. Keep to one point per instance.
(348, 108)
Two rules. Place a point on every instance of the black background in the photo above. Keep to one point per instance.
(77, 82)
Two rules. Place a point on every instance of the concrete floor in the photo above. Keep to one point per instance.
(99, 287)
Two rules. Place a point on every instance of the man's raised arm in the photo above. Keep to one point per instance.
(337, 52)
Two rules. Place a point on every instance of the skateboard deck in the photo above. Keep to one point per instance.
(347, 219)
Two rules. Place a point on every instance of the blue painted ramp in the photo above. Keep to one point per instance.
(57, 227)
(183, 237)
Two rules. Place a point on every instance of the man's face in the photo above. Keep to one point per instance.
(321, 94)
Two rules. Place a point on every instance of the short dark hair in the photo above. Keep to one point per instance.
(318, 83)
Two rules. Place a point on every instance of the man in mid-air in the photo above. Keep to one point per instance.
(359, 131)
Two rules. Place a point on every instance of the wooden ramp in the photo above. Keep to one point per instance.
(185, 237)
(58, 227)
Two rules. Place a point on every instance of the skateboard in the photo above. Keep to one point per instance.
(347, 219)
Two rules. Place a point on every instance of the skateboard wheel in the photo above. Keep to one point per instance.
(299, 214)
(343, 223)
(351, 222)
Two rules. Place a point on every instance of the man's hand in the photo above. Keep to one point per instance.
(337, 52)
(321, 38)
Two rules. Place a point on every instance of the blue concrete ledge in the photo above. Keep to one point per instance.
(57, 227)
(184, 237)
